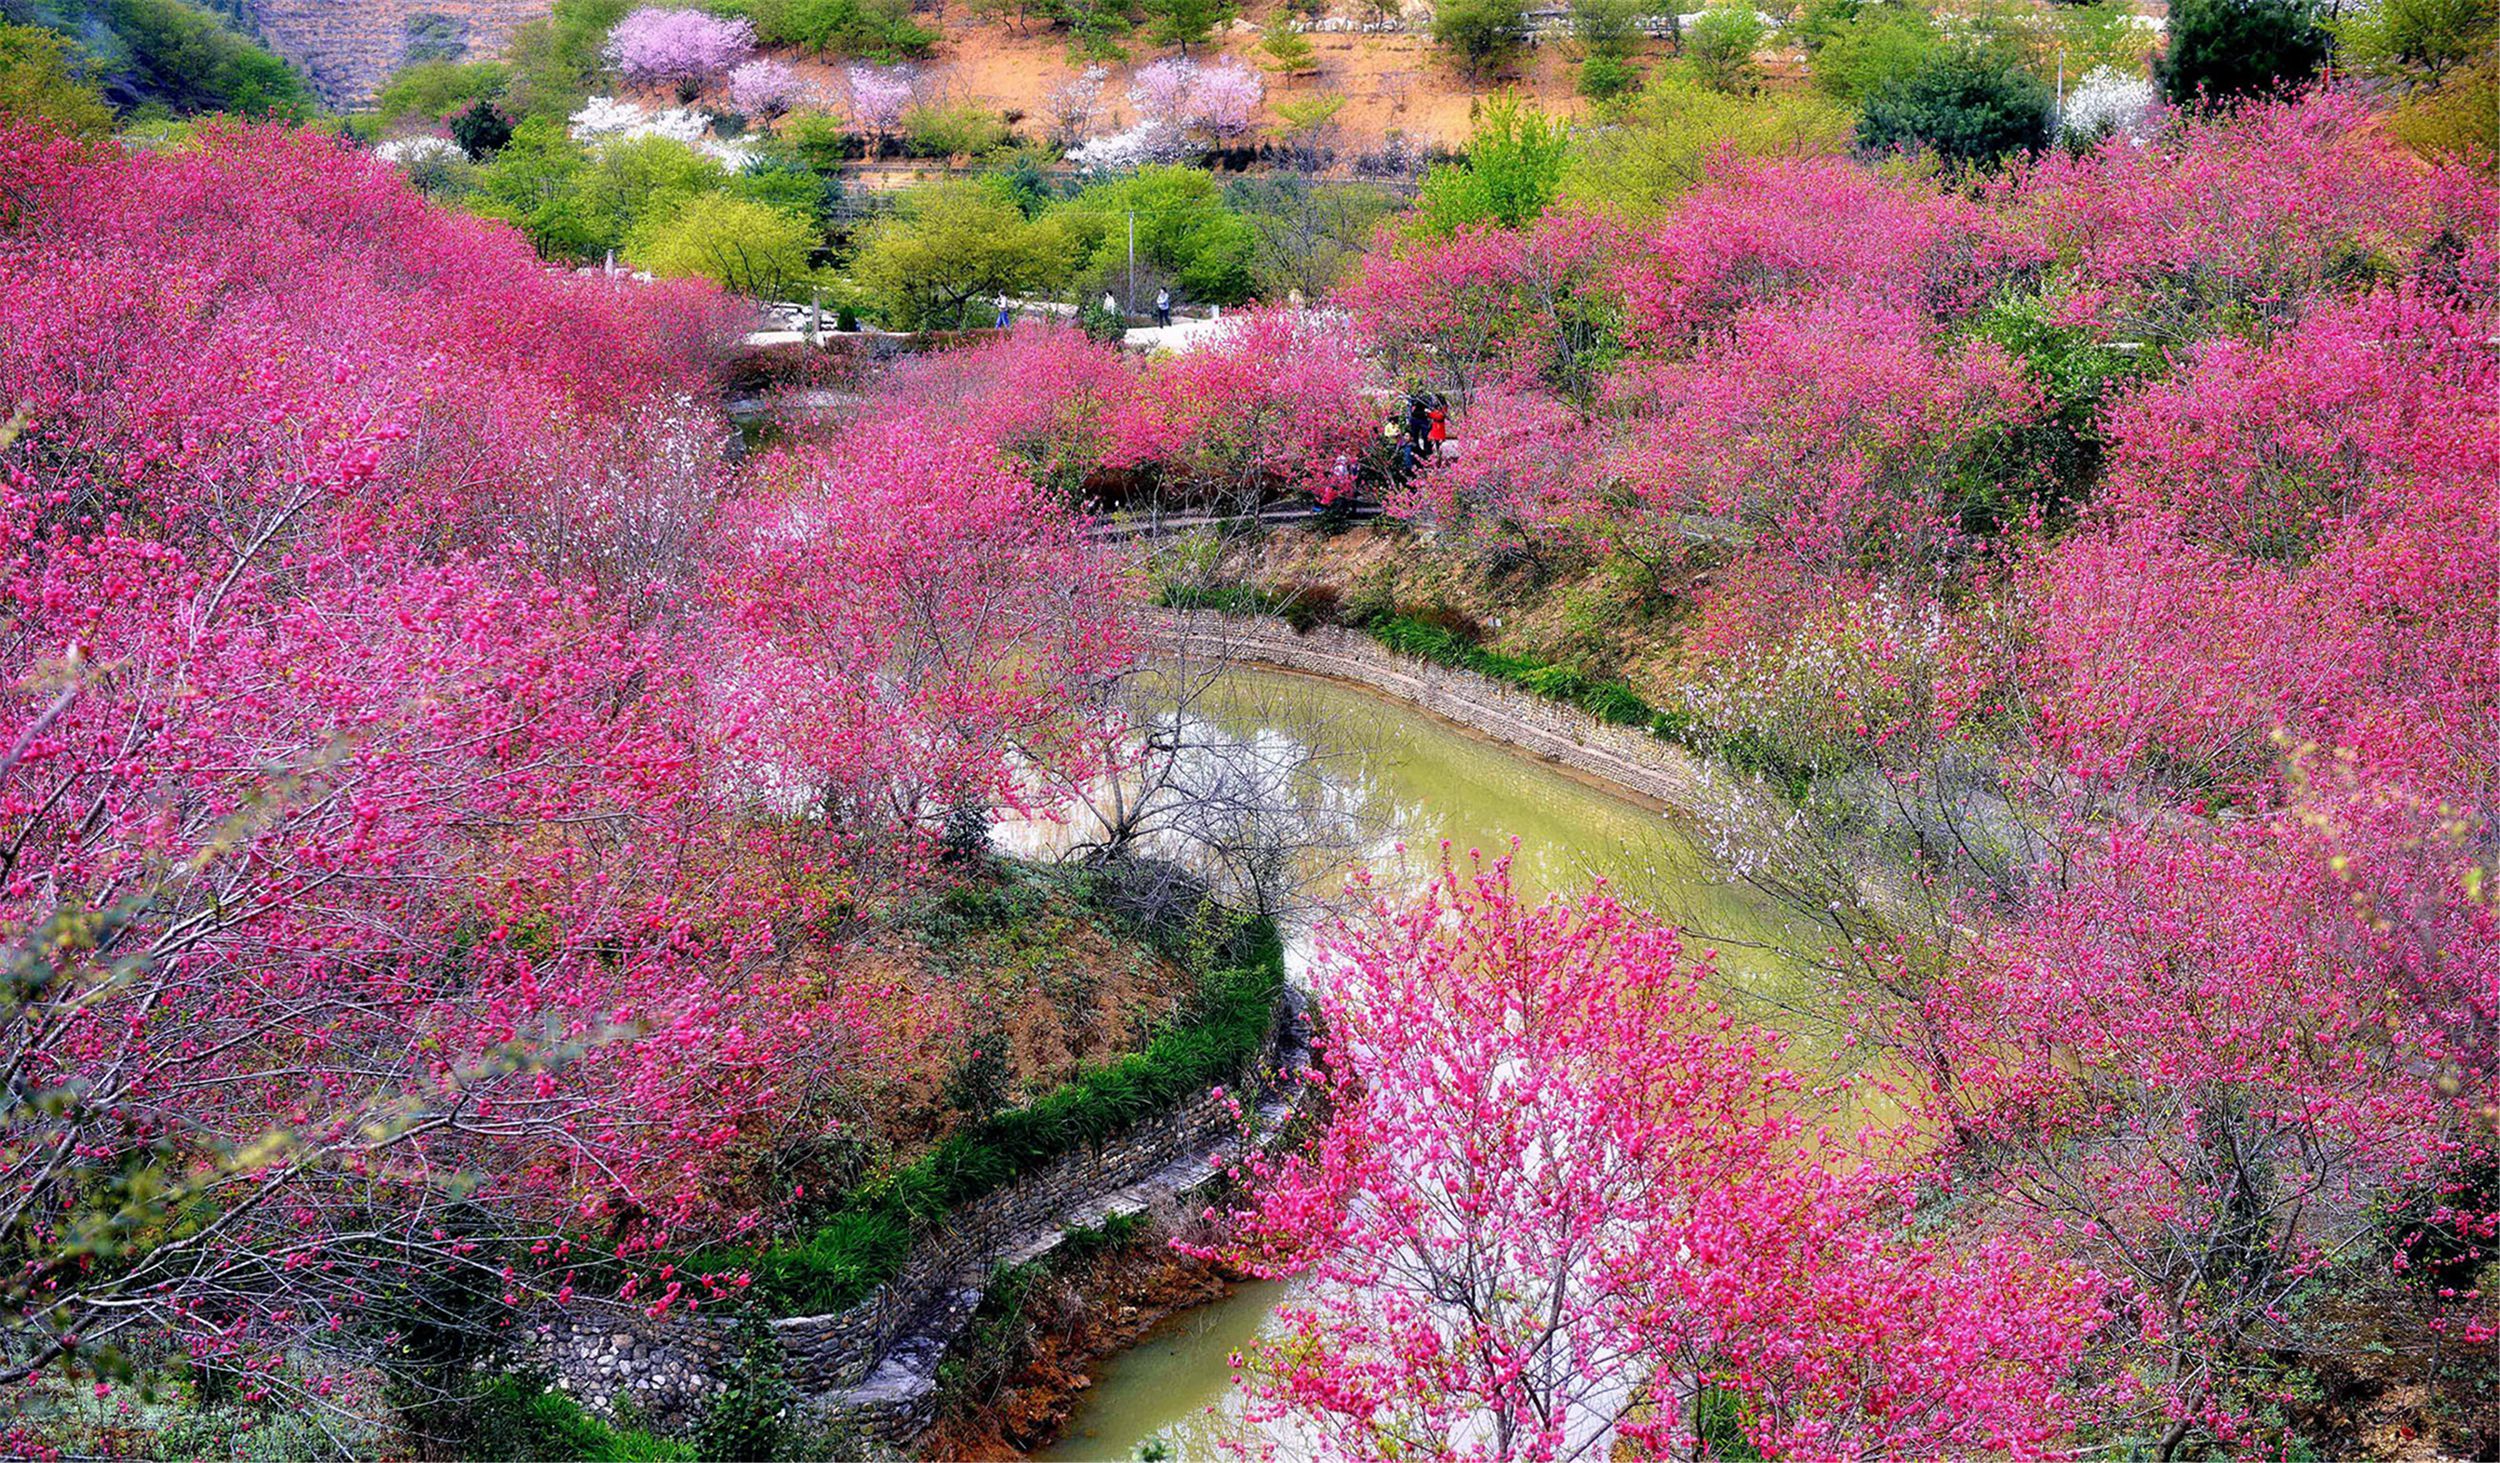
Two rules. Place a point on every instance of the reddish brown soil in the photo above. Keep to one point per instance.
(1097, 1312)
(1400, 84)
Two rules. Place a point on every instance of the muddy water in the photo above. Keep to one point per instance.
(1421, 780)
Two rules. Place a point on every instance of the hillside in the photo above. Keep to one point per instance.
(347, 47)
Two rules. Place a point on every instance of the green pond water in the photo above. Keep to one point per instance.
(1418, 780)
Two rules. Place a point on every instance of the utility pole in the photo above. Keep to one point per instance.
(1132, 261)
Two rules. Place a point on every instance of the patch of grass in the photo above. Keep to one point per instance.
(1222, 597)
(1611, 702)
(513, 1419)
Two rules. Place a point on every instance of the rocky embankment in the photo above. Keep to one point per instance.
(1628, 759)
(873, 1369)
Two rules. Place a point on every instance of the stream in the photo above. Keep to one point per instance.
(1419, 780)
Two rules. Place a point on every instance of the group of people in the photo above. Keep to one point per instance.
(1417, 439)
(1110, 306)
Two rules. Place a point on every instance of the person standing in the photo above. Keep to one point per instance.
(1163, 307)
(1003, 316)
(1110, 304)
(1419, 425)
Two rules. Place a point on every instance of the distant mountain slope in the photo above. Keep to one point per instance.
(349, 46)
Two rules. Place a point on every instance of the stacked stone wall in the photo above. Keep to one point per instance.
(1626, 757)
(348, 47)
(872, 1368)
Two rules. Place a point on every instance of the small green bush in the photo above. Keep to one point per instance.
(1224, 597)
(1308, 606)
(516, 1418)
(953, 131)
(1604, 78)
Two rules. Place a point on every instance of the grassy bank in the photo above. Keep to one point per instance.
(1446, 640)
(865, 1238)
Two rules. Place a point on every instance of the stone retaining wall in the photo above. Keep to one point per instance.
(873, 1368)
(1627, 757)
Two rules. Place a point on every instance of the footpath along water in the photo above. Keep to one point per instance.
(1427, 780)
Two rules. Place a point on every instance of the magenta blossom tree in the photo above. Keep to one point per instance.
(1562, 1198)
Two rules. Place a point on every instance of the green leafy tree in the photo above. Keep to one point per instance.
(631, 181)
(2416, 42)
(1964, 105)
(1514, 167)
(1483, 35)
(2221, 50)
(1608, 27)
(432, 89)
(481, 131)
(1719, 48)
(1186, 23)
(1311, 234)
(2103, 33)
(536, 183)
(193, 62)
(1289, 52)
(1187, 235)
(950, 244)
(39, 82)
(747, 248)
(1658, 147)
(558, 59)
(1607, 78)
(1881, 44)
(783, 181)
(882, 30)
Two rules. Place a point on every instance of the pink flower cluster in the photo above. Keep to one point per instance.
(464, 778)
(1219, 99)
(660, 46)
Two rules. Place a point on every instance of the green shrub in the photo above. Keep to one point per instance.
(962, 130)
(1224, 597)
(1308, 606)
(517, 1418)
(434, 89)
(1604, 78)
(753, 1419)
(1965, 106)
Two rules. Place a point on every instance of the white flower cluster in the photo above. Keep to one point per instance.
(409, 152)
(612, 119)
(2108, 103)
(1150, 141)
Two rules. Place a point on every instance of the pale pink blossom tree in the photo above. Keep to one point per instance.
(763, 87)
(879, 95)
(680, 48)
